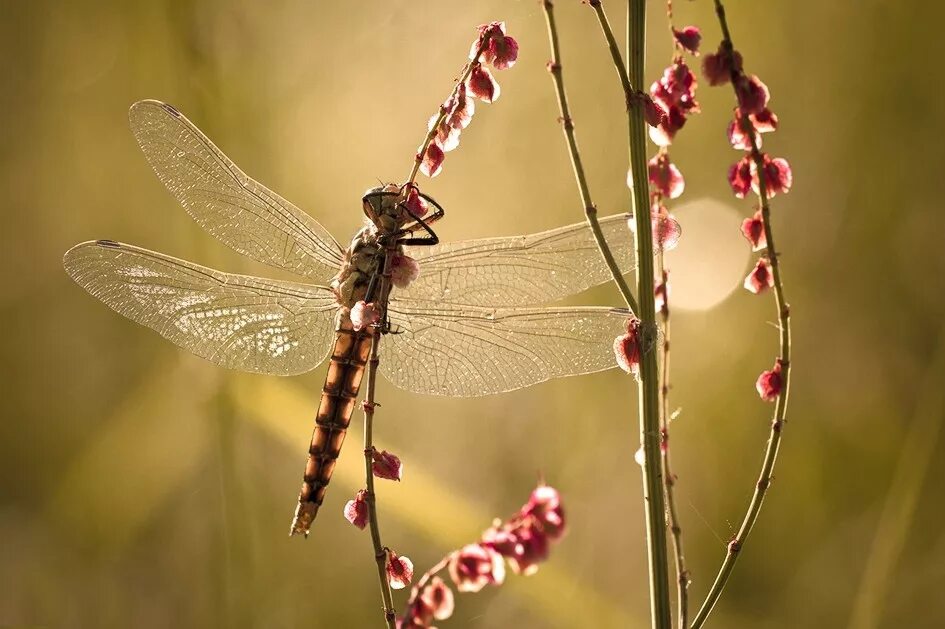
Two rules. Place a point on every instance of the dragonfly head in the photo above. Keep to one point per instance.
(380, 204)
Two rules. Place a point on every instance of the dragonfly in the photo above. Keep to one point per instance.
(470, 324)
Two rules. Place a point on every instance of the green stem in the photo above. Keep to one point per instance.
(649, 402)
(780, 408)
(567, 124)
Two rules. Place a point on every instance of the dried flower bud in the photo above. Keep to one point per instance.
(502, 50)
(661, 298)
(482, 85)
(356, 511)
(386, 465)
(653, 113)
(474, 566)
(769, 383)
(764, 121)
(688, 38)
(753, 95)
(754, 230)
(432, 162)
(761, 278)
(404, 270)
(740, 176)
(664, 177)
(717, 68)
(778, 176)
(627, 348)
(364, 315)
(399, 570)
(438, 598)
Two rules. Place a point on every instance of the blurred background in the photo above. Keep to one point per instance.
(143, 487)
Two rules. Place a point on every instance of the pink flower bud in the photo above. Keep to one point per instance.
(462, 109)
(364, 315)
(717, 68)
(671, 123)
(399, 570)
(482, 85)
(356, 511)
(778, 176)
(545, 505)
(447, 137)
(688, 38)
(438, 598)
(502, 52)
(752, 94)
(416, 204)
(652, 112)
(474, 566)
(432, 162)
(761, 278)
(627, 348)
(769, 383)
(664, 177)
(532, 548)
(404, 270)
(386, 465)
(764, 121)
(739, 177)
(754, 230)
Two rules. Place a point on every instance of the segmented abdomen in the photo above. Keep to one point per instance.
(339, 395)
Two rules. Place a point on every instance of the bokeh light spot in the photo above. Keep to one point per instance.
(710, 261)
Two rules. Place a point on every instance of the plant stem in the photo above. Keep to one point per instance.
(784, 358)
(649, 403)
(380, 553)
(669, 479)
(567, 124)
(445, 110)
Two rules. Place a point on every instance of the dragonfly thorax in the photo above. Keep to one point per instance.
(363, 261)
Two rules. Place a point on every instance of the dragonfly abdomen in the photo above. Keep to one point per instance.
(339, 396)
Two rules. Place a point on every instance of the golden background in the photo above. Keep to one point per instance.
(142, 487)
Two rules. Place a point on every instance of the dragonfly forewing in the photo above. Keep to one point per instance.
(236, 209)
(469, 352)
(236, 321)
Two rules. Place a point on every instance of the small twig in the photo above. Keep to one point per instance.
(784, 324)
(567, 124)
(380, 553)
(422, 582)
(669, 479)
(444, 110)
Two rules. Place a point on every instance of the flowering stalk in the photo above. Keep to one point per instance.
(774, 384)
(567, 124)
(674, 92)
(492, 46)
(648, 383)
(524, 541)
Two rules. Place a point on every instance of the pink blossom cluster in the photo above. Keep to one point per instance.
(752, 118)
(492, 47)
(523, 541)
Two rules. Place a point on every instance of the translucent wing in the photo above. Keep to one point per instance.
(520, 270)
(468, 352)
(237, 321)
(238, 210)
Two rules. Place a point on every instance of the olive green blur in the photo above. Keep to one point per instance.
(142, 487)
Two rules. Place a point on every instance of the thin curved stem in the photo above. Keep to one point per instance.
(380, 553)
(669, 479)
(567, 124)
(784, 359)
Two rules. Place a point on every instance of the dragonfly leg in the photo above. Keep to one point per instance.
(422, 241)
